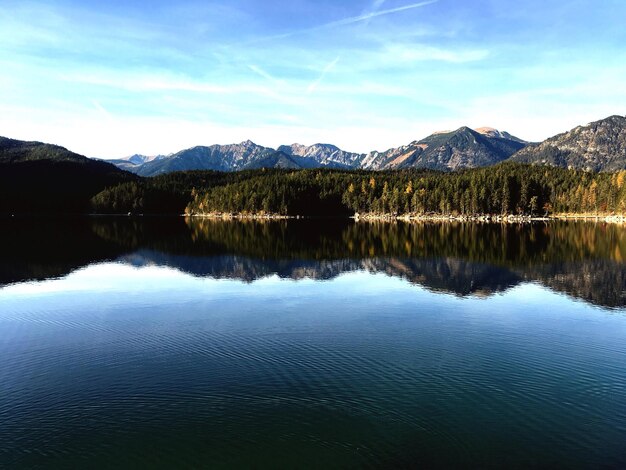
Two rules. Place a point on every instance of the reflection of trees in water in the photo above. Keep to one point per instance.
(582, 259)
(42, 247)
(501, 244)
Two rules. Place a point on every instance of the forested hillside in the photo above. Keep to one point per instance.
(164, 194)
(43, 178)
(503, 189)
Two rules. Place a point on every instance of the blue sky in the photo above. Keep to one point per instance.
(109, 79)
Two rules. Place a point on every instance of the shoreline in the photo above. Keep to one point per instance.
(408, 218)
(231, 216)
(619, 219)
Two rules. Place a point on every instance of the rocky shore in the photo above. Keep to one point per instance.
(487, 217)
(254, 216)
(497, 218)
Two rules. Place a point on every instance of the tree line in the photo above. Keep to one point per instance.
(504, 189)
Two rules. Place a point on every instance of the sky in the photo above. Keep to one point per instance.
(115, 78)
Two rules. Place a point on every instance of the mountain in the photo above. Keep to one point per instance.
(246, 155)
(491, 132)
(323, 155)
(598, 146)
(17, 151)
(454, 150)
(134, 161)
(39, 178)
(463, 148)
(140, 159)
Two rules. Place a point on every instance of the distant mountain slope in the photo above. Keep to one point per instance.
(41, 178)
(274, 160)
(491, 132)
(245, 155)
(598, 146)
(463, 148)
(323, 155)
(140, 159)
(134, 161)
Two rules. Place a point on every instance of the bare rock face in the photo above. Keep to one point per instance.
(451, 150)
(133, 162)
(234, 157)
(491, 132)
(323, 155)
(598, 146)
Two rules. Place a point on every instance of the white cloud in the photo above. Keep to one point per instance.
(408, 53)
(159, 82)
(110, 86)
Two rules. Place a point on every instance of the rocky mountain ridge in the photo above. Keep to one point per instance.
(463, 148)
(597, 146)
(234, 157)
(326, 155)
(135, 161)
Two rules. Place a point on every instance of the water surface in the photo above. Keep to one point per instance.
(164, 344)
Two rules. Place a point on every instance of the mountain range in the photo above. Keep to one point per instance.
(598, 146)
(450, 150)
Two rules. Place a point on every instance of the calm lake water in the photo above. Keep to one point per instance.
(165, 343)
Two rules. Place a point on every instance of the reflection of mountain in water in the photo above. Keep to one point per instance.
(596, 282)
(441, 274)
(450, 275)
(244, 268)
(584, 260)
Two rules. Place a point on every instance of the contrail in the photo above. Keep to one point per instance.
(313, 86)
(373, 14)
(376, 6)
(263, 73)
(347, 21)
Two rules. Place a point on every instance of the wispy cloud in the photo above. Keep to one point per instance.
(313, 86)
(407, 53)
(383, 74)
(155, 82)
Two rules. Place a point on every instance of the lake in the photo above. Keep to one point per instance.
(172, 343)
